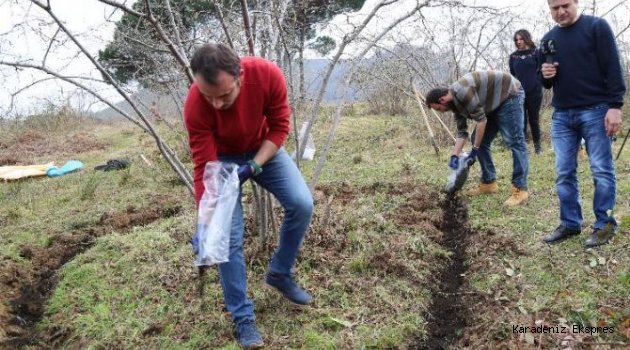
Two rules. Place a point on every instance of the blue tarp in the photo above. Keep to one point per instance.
(69, 167)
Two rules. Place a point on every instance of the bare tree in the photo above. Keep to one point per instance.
(370, 45)
(463, 38)
(142, 119)
(347, 39)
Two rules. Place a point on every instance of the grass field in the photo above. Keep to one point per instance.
(102, 259)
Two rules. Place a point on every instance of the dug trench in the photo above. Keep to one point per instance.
(459, 315)
(442, 219)
(447, 313)
(29, 288)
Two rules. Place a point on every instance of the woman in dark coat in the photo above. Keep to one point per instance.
(524, 65)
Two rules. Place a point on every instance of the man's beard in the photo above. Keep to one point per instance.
(451, 106)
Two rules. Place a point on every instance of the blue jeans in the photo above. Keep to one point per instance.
(568, 127)
(508, 119)
(283, 179)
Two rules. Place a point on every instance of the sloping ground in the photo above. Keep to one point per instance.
(328, 252)
(512, 277)
(392, 263)
(362, 283)
(441, 220)
(28, 288)
(515, 281)
(72, 284)
(24, 145)
(45, 223)
(448, 313)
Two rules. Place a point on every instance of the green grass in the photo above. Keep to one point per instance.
(561, 281)
(371, 274)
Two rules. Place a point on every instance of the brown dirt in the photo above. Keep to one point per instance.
(442, 219)
(30, 146)
(454, 318)
(447, 315)
(28, 289)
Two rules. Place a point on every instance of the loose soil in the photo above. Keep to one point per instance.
(447, 315)
(442, 219)
(28, 289)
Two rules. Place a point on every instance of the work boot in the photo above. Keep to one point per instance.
(518, 196)
(289, 289)
(537, 148)
(560, 234)
(247, 335)
(485, 189)
(600, 237)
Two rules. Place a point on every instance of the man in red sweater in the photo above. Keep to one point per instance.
(237, 111)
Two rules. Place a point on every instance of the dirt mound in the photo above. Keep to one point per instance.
(28, 289)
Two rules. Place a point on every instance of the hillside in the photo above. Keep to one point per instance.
(168, 104)
(102, 259)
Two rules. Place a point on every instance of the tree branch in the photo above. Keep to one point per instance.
(248, 29)
(223, 25)
(72, 81)
(346, 40)
(124, 8)
(167, 152)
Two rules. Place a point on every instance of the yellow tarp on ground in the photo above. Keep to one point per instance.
(14, 172)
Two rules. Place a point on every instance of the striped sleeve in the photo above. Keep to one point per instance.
(467, 94)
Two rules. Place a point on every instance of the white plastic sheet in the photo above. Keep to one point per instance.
(309, 149)
(216, 208)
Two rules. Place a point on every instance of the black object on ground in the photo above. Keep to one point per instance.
(113, 164)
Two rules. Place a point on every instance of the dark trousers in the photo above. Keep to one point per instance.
(532, 103)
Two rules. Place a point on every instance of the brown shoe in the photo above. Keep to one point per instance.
(485, 189)
(518, 197)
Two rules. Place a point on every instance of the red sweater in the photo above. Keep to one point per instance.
(260, 112)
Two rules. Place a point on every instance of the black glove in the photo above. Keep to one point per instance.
(113, 164)
(472, 156)
(453, 163)
(245, 171)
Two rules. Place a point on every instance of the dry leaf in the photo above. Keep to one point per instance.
(529, 338)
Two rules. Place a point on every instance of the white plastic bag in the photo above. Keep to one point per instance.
(458, 177)
(214, 221)
(309, 149)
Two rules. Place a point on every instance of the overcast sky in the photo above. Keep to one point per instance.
(533, 15)
(19, 23)
(89, 18)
